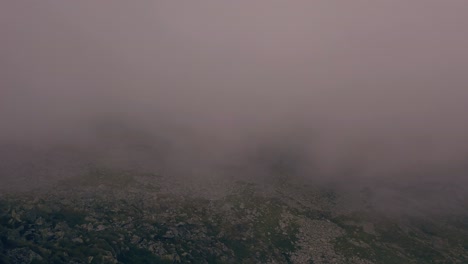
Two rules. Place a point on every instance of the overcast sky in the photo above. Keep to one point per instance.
(380, 83)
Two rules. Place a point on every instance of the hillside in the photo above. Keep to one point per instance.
(110, 216)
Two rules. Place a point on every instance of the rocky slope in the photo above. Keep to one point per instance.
(111, 216)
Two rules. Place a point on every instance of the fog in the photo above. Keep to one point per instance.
(329, 90)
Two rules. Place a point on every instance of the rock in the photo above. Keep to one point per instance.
(39, 221)
(169, 234)
(15, 215)
(22, 255)
(77, 240)
(136, 239)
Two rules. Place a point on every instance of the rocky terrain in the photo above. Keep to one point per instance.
(109, 216)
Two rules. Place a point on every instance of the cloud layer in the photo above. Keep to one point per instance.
(370, 88)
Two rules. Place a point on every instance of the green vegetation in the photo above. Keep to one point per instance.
(390, 244)
(141, 256)
(111, 224)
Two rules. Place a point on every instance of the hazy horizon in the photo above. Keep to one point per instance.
(366, 89)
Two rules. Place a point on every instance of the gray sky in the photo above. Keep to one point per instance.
(381, 85)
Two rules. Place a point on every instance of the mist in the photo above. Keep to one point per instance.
(327, 90)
